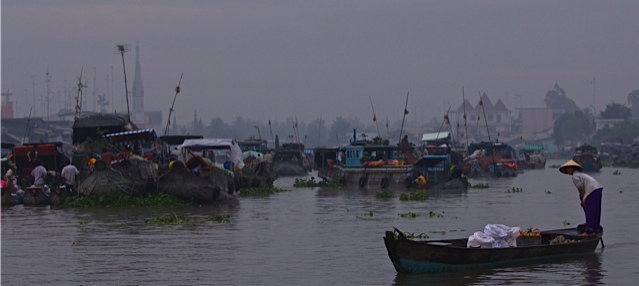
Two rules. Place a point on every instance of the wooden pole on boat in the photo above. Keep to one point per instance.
(465, 125)
(375, 117)
(404, 119)
(26, 130)
(121, 49)
(485, 119)
(481, 103)
(271, 130)
(78, 98)
(319, 130)
(177, 91)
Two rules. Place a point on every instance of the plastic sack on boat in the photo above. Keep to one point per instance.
(504, 236)
(480, 239)
(236, 155)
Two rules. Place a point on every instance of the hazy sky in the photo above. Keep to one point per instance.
(277, 59)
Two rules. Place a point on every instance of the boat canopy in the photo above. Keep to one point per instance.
(436, 136)
(130, 137)
(207, 143)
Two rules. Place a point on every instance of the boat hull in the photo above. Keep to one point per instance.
(410, 256)
(378, 177)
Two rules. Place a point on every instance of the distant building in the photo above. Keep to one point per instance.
(7, 105)
(497, 123)
(534, 121)
(141, 117)
(601, 123)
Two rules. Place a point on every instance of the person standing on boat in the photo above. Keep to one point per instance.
(589, 194)
(39, 174)
(69, 173)
(32, 155)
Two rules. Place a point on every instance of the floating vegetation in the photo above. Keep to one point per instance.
(480, 186)
(616, 172)
(434, 214)
(414, 196)
(220, 218)
(384, 195)
(311, 183)
(84, 222)
(158, 200)
(515, 190)
(409, 215)
(566, 222)
(175, 219)
(260, 191)
(548, 192)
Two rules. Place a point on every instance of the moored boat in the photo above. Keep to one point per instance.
(532, 157)
(290, 160)
(215, 160)
(588, 158)
(36, 196)
(448, 255)
(440, 173)
(186, 185)
(365, 165)
(490, 159)
(11, 196)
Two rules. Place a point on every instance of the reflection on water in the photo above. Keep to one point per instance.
(314, 236)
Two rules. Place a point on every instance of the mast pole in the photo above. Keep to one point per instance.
(177, 91)
(404, 118)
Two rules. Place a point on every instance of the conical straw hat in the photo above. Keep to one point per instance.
(570, 163)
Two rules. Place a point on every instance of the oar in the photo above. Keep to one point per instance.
(602, 244)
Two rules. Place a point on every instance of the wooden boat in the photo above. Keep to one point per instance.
(588, 158)
(36, 196)
(489, 159)
(532, 157)
(186, 185)
(105, 181)
(9, 196)
(363, 164)
(290, 160)
(215, 160)
(58, 196)
(440, 173)
(448, 255)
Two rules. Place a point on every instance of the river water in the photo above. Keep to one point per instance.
(311, 236)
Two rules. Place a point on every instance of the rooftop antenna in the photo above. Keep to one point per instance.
(177, 91)
(121, 49)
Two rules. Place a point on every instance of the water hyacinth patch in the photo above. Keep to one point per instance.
(480, 186)
(414, 196)
(220, 218)
(515, 190)
(260, 191)
(384, 195)
(175, 219)
(409, 215)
